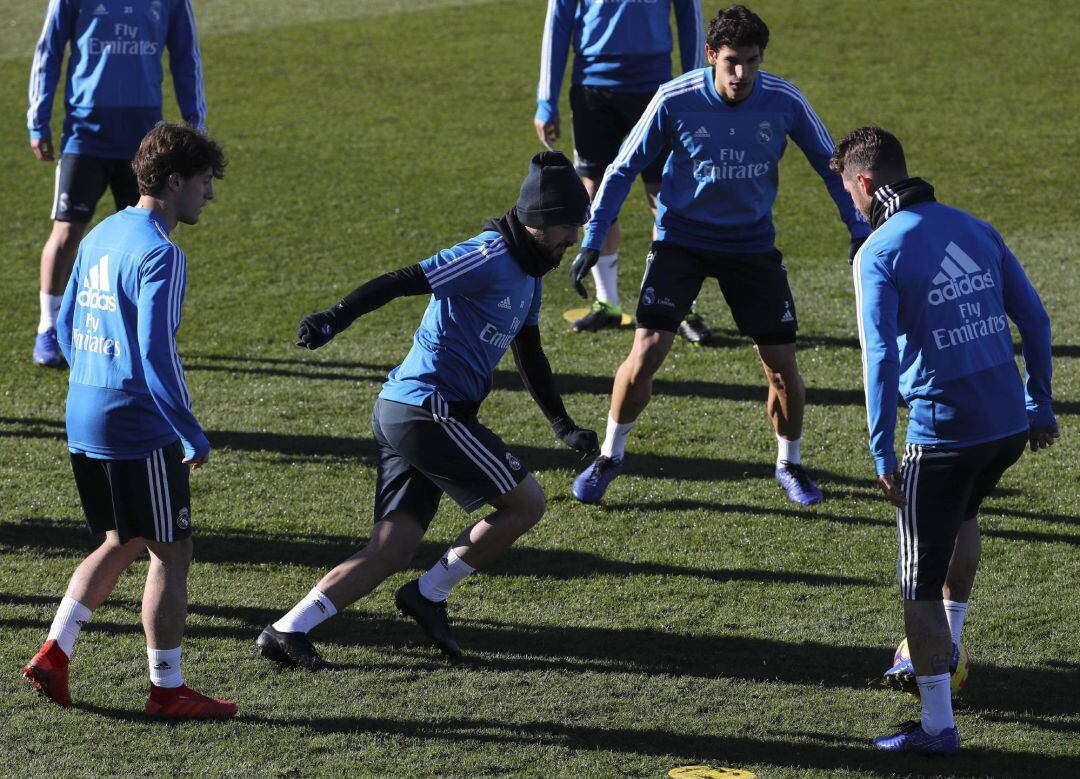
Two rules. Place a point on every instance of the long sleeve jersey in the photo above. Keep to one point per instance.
(623, 45)
(114, 74)
(481, 298)
(127, 394)
(720, 182)
(934, 290)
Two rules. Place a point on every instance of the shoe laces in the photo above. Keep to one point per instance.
(602, 464)
(908, 726)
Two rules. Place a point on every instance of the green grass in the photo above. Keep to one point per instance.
(696, 617)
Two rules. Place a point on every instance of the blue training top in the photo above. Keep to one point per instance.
(481, 298)
(720, 181)
(113, 92)
(624, 45)
(933, 288)
(117, 328)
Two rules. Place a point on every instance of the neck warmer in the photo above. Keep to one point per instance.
(531, 256)
(900, 194)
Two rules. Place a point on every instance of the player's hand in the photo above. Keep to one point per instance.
(198, 461)
(580, 440)
(853, 249)
(1043, 437)
(42, 148)
(580, 268)
(547, 132)
(316, 330)
(890, 485)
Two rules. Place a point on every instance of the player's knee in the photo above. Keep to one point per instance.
(174, 556)
(529, 504)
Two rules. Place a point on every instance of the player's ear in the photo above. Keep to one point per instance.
(175, 182)
(710, 55)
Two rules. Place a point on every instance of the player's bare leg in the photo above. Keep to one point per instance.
(606, 311)
(424, 599)
(630, 394)
(89, 586)
(930, 647)
(960, 578)
(785, 406)
(57, 258)
(393, 544)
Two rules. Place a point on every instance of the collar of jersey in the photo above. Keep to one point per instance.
(710, 82)
(146, 213)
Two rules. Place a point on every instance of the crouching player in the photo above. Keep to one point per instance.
(934, 290)
(485, 297)
(131, 430)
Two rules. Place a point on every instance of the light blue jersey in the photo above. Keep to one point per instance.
(720, 181)
(481, 298)
(624, 45)
(934, 290)
(114, 73)
(127, 395)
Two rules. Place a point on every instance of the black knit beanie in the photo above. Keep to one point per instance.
(552, 193)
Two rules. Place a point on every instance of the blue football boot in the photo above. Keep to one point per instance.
(798, 485)
(590, 486)
(912, 738)
(902, 675)
(47, 351)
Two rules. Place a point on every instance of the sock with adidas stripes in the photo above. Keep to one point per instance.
(435, 585)
(68, 622)
(164, 667)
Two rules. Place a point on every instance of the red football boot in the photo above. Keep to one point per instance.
(184, 703)
(48, 672)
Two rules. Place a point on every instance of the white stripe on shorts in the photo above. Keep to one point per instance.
(164, 476)
(152, 485)
(480, 455)
(907, 523)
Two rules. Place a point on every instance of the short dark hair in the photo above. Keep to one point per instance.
(175, 148)
(737, 27)
(871, 149)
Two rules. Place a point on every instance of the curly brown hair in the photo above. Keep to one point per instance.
(737, 27)
(175, 148)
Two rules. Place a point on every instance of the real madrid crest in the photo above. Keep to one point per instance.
(764, 132)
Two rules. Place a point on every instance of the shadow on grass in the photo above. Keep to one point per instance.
(788, 749)
(322, 551)
(537, 649)
(817, 515)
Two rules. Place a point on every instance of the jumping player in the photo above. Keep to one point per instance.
(935, 289)
(113, 98)
(622, 53)
(727, 126)
(485, 298)
(131, 430)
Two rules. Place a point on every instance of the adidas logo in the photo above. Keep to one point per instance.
(101, 10)
(162, 666)
(505, 303)
(95, 285)
(787, 317)
(959, 276)
(702, 132)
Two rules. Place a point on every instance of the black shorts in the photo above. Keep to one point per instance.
(602, 118)
(944, 488)
(755, 287)
(424, 451)
(82, 180)
(150, 498)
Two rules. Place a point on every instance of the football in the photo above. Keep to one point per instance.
(959, 673)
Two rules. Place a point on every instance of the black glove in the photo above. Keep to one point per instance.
(580, 268)
(853, 248)
(317, 329)
(577, 438)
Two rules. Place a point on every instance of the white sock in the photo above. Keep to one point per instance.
(164, 667)
(955, 611)
(436, 584)
(50, 309)
(69, 620)
(313, 609)
(937, 713)
(606, 276)
(788, 451)
(615, 439)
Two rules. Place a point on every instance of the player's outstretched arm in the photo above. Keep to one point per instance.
(535, 372)
(317, 329)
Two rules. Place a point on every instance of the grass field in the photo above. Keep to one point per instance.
(696, 617)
